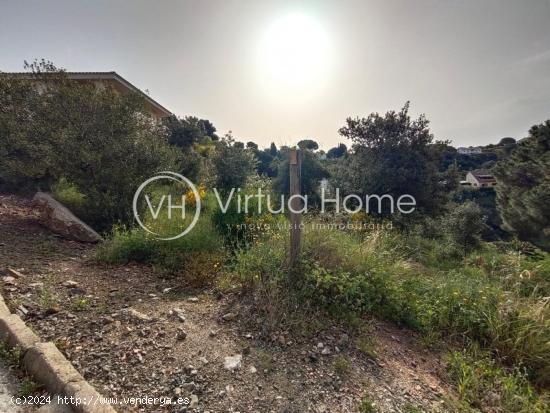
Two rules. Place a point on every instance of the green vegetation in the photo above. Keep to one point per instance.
(342, 365)
(95, 146)
(434, 273)
(493, 296)
(523, 192)
(366, 406)
(481, 382)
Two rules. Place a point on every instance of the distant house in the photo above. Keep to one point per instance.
(470, 150)
(117, 82)
(479, 179)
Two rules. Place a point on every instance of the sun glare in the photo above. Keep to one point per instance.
(294, 55)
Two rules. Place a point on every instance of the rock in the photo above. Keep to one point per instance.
(252, 369)
(13, 273)
(326, 351)
(70, 284)
(60, 220)
(137, 315)
(344, 339)
(193, 299)
(229, 316)
(22, 311)
(320, 345)
(181, 335)
(9, 280)
(190, 386)
(232, 363)
(203, 360)
(212, 333)
(193, 401)
(313, 357)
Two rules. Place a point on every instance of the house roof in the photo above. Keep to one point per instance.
(113, 76)
(482, 175)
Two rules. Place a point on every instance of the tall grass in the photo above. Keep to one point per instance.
(196, 255)
(494, 297)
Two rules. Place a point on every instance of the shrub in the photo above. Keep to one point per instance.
(197, 255)
(99, 141)
(483, 384)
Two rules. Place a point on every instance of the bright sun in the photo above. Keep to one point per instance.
(294, 55)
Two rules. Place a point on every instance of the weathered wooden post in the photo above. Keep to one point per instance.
(296, 205)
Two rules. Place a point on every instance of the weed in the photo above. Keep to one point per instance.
(411, 408)
(367, 347)
(341, 365)
(81, 304)
(367, 406)
(265, 359)
(28, 387)
(11, 355)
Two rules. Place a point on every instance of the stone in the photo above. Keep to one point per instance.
(137, 315)
(13, 273)
(56, 217)
(193, 299)
(252, 369)
(193, 401)
(9, 280)
(233, 363)
(70, 284)
(326, 351)
(181, 335)
(229, 316)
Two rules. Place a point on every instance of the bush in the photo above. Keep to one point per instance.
(196, 256)
(99, 141)
(491, 297)
(483, 384)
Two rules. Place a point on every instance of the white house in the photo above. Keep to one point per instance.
(470, 150)
(479, 179)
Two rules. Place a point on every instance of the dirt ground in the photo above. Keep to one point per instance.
(132, 333)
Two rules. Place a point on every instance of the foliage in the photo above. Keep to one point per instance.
(337, 152)
(242, 227)
(187, 131)
(98, 140)
(495, 297)
(233, 165)
(523, 190)
(367, 406)
(463, 225)
(195, 256)
(481, 383)
(311, 174)
(308, 144)
(393, 154)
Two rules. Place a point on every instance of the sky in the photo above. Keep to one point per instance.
(280, 71)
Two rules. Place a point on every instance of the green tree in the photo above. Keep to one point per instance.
(233, 164)
(187, 131)
(311, 173)
(394, 155)
(523, 190)
(101, 142)
(308, 144)
(273, 149)
(337, 152)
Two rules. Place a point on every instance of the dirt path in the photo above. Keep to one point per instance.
(135, 334)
